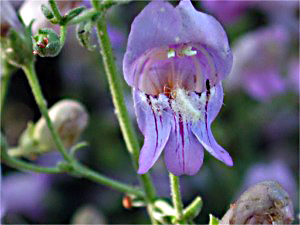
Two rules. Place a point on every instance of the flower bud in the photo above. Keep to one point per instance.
(88, 214)
(46, 43)
(69, 118)
(264, 203)
(83, 34)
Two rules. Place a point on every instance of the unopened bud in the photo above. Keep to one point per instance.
(83, 34)
(69, 118)
(127, 202)
(46, 43)
(264, 203)
(88, 214)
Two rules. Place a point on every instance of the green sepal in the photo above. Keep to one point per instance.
(16, 46)
(46, 43)
(213, 220)
(164, 212)
(71, 15)
(83, 34)
(193, 209)
(27, 147)
(47, 12)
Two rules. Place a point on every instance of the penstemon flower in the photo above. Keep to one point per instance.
(175, 61)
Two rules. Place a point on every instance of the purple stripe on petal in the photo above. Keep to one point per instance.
(202, 129)
(183, 152)
(154, 122)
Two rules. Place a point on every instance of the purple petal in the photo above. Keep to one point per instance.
(202, 28)
(183, 152)
(160, 25)
(202, 129)
(226, 11)
(156, 128)
(264, 84)
(157, 25)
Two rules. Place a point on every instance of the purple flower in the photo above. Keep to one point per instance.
(259, 58)
(276, 170)
(24, 193)
(9, 19)
(175, 61)
(226, 11)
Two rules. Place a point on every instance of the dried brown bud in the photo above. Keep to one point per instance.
(264, 203)
(127, 202)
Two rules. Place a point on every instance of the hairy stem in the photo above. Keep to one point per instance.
(41, 102)
(5, 78)
(176, 197)
(119, 103)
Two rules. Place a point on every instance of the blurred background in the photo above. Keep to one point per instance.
(258, 124)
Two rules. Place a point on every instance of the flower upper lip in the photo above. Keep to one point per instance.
(161, 26)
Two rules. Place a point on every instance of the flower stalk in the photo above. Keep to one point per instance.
(176, 198)
(121, 111)
(41, 102)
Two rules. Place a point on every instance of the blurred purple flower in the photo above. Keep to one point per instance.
(24, 193)
(226, 11)
(175, 61)
(276, 170)
(9, 18)
(293, 74)
(259, 57)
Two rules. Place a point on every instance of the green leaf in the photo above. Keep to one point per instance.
(193, 209)
(71, 14)
(213, 220)
(47, 12)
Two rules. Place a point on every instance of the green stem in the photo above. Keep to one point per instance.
(94, 176)
(176, 197)
(41, 102)
(121, 111)
(76, 169)
(5, 78)
(84, 17)
(19, 164)
(63, 35)
(55, 9)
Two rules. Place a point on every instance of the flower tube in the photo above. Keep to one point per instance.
(175, 61)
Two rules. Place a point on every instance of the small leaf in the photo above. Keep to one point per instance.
(213, 220)
(71, 14)
(193, 209)
(47, 12)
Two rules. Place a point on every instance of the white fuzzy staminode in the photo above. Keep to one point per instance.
(186, 106)
(159, 104)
